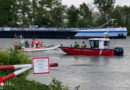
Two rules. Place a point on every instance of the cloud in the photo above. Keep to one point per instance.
(78, 2)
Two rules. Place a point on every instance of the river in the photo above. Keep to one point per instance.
(89, 72)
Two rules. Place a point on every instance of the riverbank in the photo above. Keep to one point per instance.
(15, 56)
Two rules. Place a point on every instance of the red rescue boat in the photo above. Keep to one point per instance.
(98, 47)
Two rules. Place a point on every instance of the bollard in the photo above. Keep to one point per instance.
(53, 64)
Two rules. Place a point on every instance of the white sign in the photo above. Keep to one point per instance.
(41, 65)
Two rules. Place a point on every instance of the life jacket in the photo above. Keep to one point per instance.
(83, 45)
(34, 42)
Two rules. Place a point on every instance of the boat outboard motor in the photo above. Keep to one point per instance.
(118, 51)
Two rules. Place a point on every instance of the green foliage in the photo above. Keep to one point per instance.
(56, 85)
(57, 15)
(13, 56)
(7, 13)
(22, 84)
(105, 7)
(72, 16)
(24, 12)
(85, 16)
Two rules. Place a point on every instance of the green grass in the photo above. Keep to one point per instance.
(22, 84)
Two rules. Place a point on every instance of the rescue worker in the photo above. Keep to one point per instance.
(26, 44)
(38, 45)
(76, 45)
(42, 45)
(71, 45)
(34, 42)
(83, 45)
(20, 45)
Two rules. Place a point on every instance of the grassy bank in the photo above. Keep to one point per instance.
(22, 84)
(15, 56)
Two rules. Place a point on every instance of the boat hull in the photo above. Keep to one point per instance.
(88, 51)
(66, 34)
(40, 49)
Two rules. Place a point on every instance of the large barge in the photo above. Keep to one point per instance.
(66, 33)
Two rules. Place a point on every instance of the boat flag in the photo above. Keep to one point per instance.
(35, 41)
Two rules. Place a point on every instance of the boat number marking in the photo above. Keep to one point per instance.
(100, 52)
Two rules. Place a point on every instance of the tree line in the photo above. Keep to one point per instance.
(52, 13)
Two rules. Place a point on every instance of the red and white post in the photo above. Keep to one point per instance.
(24, 67)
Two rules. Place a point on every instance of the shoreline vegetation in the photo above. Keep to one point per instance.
(14, 56)
(52, 13)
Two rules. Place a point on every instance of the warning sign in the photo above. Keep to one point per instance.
(41, 65)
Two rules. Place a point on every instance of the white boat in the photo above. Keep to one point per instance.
(41, 48)
(99, 33)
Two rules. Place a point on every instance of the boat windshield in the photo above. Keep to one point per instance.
(94, 44)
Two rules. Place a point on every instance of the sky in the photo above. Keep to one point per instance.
(78, 2)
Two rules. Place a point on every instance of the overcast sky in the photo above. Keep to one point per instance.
(77, 2)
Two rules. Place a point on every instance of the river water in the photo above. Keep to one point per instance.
(88, 72)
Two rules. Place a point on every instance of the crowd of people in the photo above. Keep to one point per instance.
(26, 44)
(37, 44)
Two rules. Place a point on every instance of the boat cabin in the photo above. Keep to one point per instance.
(100, 43)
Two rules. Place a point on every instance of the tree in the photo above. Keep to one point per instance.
(33, 11)
(85, 16)
(24, 10)
(72, 16)
(50, 13)
(42, 13)
(8, 13)
(105, 7)
(116, 14)
(57, 14)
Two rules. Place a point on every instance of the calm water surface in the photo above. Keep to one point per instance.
(89, 72)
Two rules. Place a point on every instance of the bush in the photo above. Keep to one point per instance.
(22, 84)
(13, 56)
(57, 85)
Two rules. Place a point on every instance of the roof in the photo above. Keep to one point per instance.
(100, 39)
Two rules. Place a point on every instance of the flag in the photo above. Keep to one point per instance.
(35, 41)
